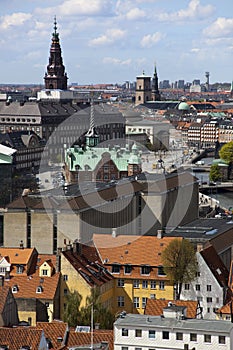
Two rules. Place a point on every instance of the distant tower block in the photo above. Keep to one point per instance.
(207, 84)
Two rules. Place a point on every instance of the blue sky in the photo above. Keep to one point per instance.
(111, 41)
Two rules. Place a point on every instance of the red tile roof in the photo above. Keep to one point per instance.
(154, 307)
(53, 331)
(81, 338)
(15, 338)
(57, 329)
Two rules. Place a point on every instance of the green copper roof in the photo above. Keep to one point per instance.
(90, 157)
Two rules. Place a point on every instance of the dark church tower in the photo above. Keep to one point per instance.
(55, 78)
(155, 94)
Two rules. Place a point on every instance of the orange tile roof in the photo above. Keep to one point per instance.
(53, 330)
(154, 307)
(81, 338)
(225, 309)
(15, 338)
(17, 255)
(27, 286)
(131, 249)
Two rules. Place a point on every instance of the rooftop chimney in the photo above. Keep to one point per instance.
(114, 232)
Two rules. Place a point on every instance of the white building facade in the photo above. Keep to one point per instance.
(139, 332)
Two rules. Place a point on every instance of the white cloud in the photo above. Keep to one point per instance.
(195, 50)
(110, 37)
(194, 10)
(117, 61)
(16, 19)
(80, 8)
(135, 13)
(151, 39)
(222, 27)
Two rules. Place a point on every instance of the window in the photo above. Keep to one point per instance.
(125, 332)
(198, 287)
(145, 270)
(144, 284)
(39, 289)
(165, 335)
(138, 333)
(136, 283)
(136, 302)
(144, 299)
(15, 289)
(19, 269)
(208, 288)
(128, 269)
(207, 338)
(65, 277)
(153, 284)
(179, 336)
(222, 339)
(217, 300)
(44, 272)
(186, 286)
(116, 268)
(120, 301)
(209, 300)
(161, 271)
(120, 282)
(198, 274)
(124, 348)
(65, 291)
(199, 298)
(151, 334)
(161, 285)
(193, 337)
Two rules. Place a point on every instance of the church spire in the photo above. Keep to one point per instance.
(155, 86)
(55, 78)
(92, 138)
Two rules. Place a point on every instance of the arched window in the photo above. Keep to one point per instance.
(39, 289)
(15, 289)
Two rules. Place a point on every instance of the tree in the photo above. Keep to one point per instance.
(215, 174)
(180, 263)
(72, 313)
(101, 314)
(226, 152)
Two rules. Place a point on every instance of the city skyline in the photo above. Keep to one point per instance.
(113, 41)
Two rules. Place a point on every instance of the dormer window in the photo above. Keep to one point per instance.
(15, 288)
(116, 268)
(39, 289)
(161, 271)
(128, 269)
(19, 269)
(145, 269)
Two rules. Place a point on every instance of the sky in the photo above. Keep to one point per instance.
(113, 41)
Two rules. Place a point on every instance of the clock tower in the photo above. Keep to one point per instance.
(55, 78)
